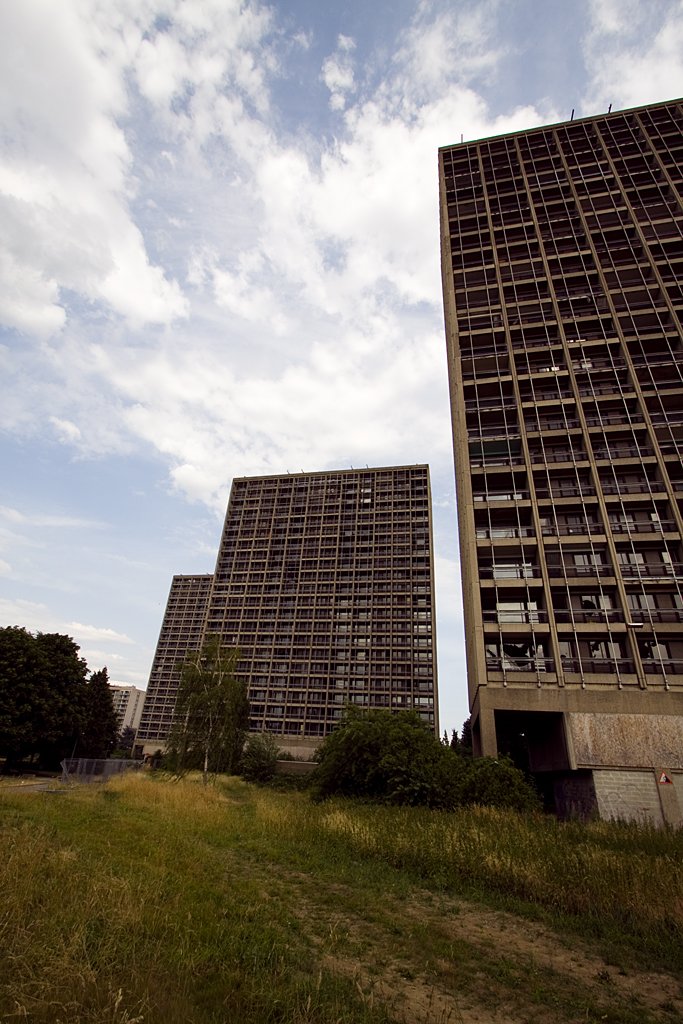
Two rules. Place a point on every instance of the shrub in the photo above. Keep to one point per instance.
(259, 758)
(498, 783)
(395, 759)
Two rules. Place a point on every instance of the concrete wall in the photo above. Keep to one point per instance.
(639, 796)
(628, 741)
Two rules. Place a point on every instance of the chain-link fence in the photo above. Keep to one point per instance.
(95, 769)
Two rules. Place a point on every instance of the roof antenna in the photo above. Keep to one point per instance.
(609, 109)
(572, 117)
(461, 136)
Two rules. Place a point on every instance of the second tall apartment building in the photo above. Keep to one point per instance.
(324, 581)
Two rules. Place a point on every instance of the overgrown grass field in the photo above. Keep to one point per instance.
(171, 902)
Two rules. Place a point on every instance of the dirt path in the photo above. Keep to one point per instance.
(432, 959)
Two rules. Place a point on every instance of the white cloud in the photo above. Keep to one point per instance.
(337, 72)
(66, 185)
(634, 53)
(65, 430)
(85, 632)
(13, 515)
(316, 327)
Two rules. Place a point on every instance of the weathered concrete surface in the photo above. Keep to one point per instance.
(628, 741)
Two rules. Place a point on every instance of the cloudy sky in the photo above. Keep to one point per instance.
(219, 257)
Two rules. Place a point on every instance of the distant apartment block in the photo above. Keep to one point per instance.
(324, 581)
(181, 633)
(128, 701)
(562, 256)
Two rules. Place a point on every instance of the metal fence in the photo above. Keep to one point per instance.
(94, 769)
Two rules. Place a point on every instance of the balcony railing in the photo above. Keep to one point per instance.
(565, 492)
(662, 570)
(610, 419)
(510, 572)
(572, 529)
(568, 455)
(632, 487)
(643, 526)
(658, 614)
(508, 664)
(504, 532)
(625, 452)
(667, 666)
(502, 496)
(604, 389)
(609, 666)
(580, 570)
(585, 615)
(525, 617)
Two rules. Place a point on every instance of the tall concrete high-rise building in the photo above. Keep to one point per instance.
(324, 581)
(562, 258)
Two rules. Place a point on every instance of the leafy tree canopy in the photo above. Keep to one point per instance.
(42, 695)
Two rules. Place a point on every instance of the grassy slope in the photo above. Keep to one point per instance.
(174, 903)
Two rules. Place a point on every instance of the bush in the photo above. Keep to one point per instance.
(498, 783)
(395, 759)
(259, 758)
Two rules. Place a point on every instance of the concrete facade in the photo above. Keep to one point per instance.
(562, 262)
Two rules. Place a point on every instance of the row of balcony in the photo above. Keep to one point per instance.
(571, 616)
(526, 571)
(580, 666)
(587, 528)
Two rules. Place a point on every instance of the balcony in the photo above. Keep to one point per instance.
(572, 529)
(566, 491)
(623, 452)
(579, 571)
(593, 615)
(649, 570)
(602, 666)
(631, 486)
(564, 455)
(521, 495)
(667, 666)
(503, 532)
(642, 526)
(509, 572)
(509, 664)
(529, 617)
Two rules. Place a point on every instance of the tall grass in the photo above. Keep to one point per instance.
(129, 903)
(611, 877)
(171, 901)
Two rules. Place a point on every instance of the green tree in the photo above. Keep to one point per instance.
(22, 691)
(100, 725)
(466, 738)
(463, 744)
(211, 714)
(125, 741)
(394, 758)
(61, 717)
(42, 688)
